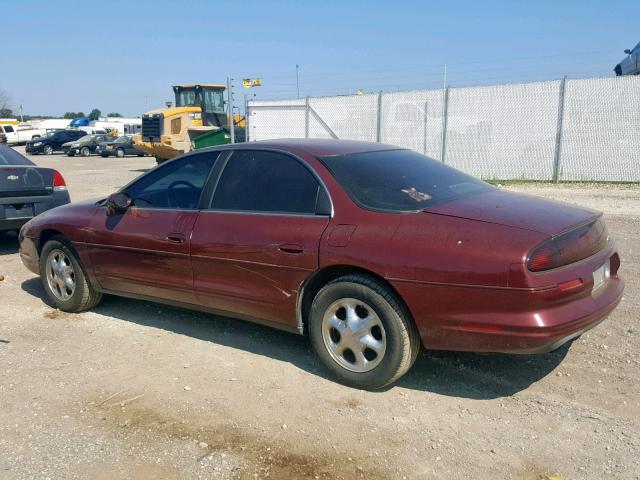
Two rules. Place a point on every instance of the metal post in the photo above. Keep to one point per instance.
(306, 118)
(297, 80)
(445, 112)
(445, 115)
(558, 149)
(379, 123)
(424, 143)
(232, 132)
(246, 119)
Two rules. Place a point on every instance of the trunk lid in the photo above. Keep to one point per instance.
(17, 181)
(517, 210)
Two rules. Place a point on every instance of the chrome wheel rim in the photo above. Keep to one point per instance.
(61, 277)
(354, 335)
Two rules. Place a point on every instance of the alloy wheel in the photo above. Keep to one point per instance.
(61, 276)
(354, 335)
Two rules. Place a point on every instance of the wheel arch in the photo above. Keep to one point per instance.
(46, 235)
(312, 285)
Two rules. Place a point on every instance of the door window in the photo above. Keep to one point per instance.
(176, 185)
(266, 182)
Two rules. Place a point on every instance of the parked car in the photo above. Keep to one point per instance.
(86, 145)
(52, 141)
(119, 147)
(373, 250)
(631, 64)
(26, 189)
(19, 134)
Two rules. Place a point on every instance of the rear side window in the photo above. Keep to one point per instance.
(400, 180)
(256, 181)
(176, 185)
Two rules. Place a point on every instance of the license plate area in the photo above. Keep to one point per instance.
(601, 275)
(15, 212)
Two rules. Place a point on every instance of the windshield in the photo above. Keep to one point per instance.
(122, 139)
(187, 98)
(47, 135)
(8, 156)
(213, 100)
(400, 180)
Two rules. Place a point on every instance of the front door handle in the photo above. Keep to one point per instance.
(290, 248)
(176, 238)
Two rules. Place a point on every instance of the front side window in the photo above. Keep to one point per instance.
(400, 180)
(175, 185)
(257, 181)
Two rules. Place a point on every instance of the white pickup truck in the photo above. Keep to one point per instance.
(17, 134)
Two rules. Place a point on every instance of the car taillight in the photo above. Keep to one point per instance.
(58, 181)
(569, 247)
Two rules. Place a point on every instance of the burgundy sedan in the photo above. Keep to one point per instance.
(373, 250)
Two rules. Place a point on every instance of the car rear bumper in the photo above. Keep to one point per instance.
(12, 224)
(505, 320)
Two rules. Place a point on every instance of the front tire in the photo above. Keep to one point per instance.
(63, 277)
(120, 153)
(362, 333)
(47, 150)
(85, 152)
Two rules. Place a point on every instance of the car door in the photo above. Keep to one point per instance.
(258, 239)
(145, 251)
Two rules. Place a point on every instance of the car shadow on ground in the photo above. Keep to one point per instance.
(8, 243)
(454, 374)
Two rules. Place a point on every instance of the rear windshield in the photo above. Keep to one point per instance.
(400, 180)
(8, 156)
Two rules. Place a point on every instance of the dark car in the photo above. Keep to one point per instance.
(373, 250)
(86, 145)
(630, 65)
(52, 141)
(119, 147)
(26, 189)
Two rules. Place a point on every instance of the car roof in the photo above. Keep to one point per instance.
(320, 147)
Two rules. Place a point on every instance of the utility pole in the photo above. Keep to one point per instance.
(232, 132)
(298, 79)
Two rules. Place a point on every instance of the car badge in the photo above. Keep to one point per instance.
(13, 177)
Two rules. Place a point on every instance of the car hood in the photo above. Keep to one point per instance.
(517, 210)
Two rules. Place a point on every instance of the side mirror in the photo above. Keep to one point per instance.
(627, 51)
(118, 203)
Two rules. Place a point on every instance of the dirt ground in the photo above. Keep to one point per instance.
(138, 390)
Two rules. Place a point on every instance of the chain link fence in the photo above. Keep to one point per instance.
(585, 130)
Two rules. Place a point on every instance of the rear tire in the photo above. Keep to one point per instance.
(63, 277)
(362, 333)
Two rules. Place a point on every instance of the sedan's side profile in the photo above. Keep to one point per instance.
(373, 250)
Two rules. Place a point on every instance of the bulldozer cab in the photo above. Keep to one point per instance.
(210, 99)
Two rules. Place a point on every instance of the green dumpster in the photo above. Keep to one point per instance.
(219, 136)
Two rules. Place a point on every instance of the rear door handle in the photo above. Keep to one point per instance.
(176, 238)
(290, 248)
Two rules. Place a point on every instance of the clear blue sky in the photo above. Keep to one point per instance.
(124, 55)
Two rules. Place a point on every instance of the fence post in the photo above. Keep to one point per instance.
(247, 130)
(424, 141)
(379, 123)
(306, 118)
(558, 149)
(445, 115)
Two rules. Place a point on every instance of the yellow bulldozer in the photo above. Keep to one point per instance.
(199, 110)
